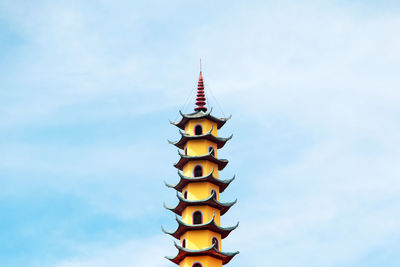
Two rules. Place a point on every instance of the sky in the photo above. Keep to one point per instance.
(87, 91)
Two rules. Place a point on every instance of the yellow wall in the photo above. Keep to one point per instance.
(207, 167)
(199, 191)
(207, 211)
(206, 261)
(200, 147)
(203, 239)
(189, 127)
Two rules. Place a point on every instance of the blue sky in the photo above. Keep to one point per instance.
(87, 89)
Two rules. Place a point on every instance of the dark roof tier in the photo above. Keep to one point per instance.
(226, 257)
(185, 180)
(210, 157)
(211, 225)
(219, 141)
(199, 115)
(210, 201)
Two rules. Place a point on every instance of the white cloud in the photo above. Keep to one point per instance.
(328, 72)
(324, 70)
(326, 209)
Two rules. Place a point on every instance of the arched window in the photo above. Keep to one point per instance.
(197, 217)
(197, 264)
(184, 243)
(198, 171)
(211, 149)
(215, 241)
(185, 194)
(213, 192)
(198, 129)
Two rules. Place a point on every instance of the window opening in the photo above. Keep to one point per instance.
(198, 130)
(197, 217)
(198, 171)
(211, 149)
(213, 192)
(215, 241)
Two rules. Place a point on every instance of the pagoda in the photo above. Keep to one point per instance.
(199, 230)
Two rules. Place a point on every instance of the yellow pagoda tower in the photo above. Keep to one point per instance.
(199, 229)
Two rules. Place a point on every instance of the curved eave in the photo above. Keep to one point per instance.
(219, 141)
(225, 257)
(185, 180)
(199, 115)
(185, 159)
(211, 225)
(211, 201)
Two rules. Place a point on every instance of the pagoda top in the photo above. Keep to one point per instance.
(201, 97)
(200, 115)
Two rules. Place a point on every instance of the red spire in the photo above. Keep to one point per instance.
(201, 97)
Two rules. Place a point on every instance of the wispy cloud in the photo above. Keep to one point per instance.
(313, 89)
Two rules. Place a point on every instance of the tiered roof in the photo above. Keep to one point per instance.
(219, 141)
(210, 157)
(211, 225)
(199, 115)
(210, 201)
(210, 251)
(185, 180)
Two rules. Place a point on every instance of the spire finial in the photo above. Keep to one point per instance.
(201, 97)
